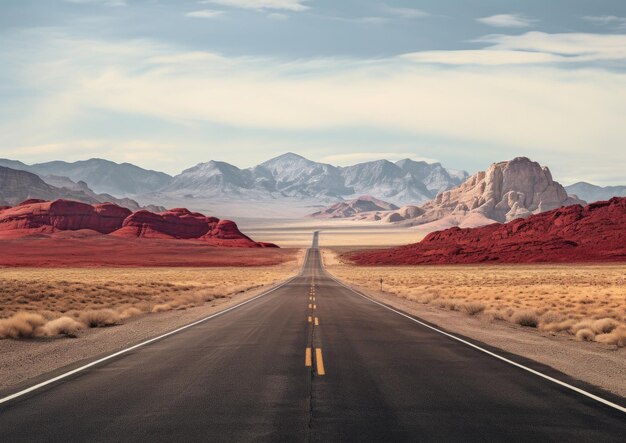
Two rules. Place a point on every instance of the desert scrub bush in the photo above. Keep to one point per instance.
(130, 312)
(585, 334)
(525, 317)
(22, 324)
(585, 324)
(561, 326)
(62, 326)
(604, 325)
(100, 317)
(162, 307)
(616, 337)
(473, 308)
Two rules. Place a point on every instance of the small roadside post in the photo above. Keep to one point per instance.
(381, 284)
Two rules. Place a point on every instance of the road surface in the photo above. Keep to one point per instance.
(309, 361)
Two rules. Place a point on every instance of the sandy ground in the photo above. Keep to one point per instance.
(335, 232)
(594, 363)
(68, 291)
(106, 250)
(23, 360)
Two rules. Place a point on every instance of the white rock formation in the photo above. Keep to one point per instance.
(505, 191)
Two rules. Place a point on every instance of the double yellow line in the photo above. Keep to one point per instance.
(319, 360)
(308, 355)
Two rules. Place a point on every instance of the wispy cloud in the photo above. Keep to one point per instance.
(287, 5)
(406, 12)
(607, 20)
(277, 16)
(507, 21)
(533, 48)
(204, 13)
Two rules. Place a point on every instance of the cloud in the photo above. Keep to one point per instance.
(607, 20)
(545, 107)
(507, 21)
(204, 13)
(287, 5)
(406, 12)
(533, 48)
(277, 16)
(359, 157)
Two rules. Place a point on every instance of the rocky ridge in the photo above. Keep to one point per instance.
(593, 233)
(50, 218)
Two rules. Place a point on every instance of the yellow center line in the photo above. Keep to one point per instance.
(313, 298)
(314, 306)
(310, 319)
(317, 321)
(307, 357)
(320, 361)
(311, 306)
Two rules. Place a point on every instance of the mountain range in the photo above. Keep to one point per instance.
(284, 186)
(102, 176)
(288, 176)
(291, 175)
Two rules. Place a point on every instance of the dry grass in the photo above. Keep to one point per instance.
(552, 298)
(56, 302)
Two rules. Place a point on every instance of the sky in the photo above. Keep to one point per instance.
(169, 84)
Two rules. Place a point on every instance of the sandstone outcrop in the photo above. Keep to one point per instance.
(63, 216)
(594, 233)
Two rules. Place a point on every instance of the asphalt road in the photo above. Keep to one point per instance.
(310, 361)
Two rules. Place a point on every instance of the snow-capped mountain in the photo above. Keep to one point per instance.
(287, 182)
(291, 175)
(435, 177)
(297, 176)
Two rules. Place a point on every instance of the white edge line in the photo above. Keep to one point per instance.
(499, 357)
(124, 351)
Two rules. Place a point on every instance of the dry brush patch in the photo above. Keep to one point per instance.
(62, 302)
(587, 302)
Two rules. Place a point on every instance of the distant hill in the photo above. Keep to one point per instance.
(365, 203)
(593, 193)
(17, 186)
(103, 176)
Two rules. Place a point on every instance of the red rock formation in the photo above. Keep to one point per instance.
(34, 216)
(40, 217)
(570, 234)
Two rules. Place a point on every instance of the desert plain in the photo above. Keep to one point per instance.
(571, 317)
